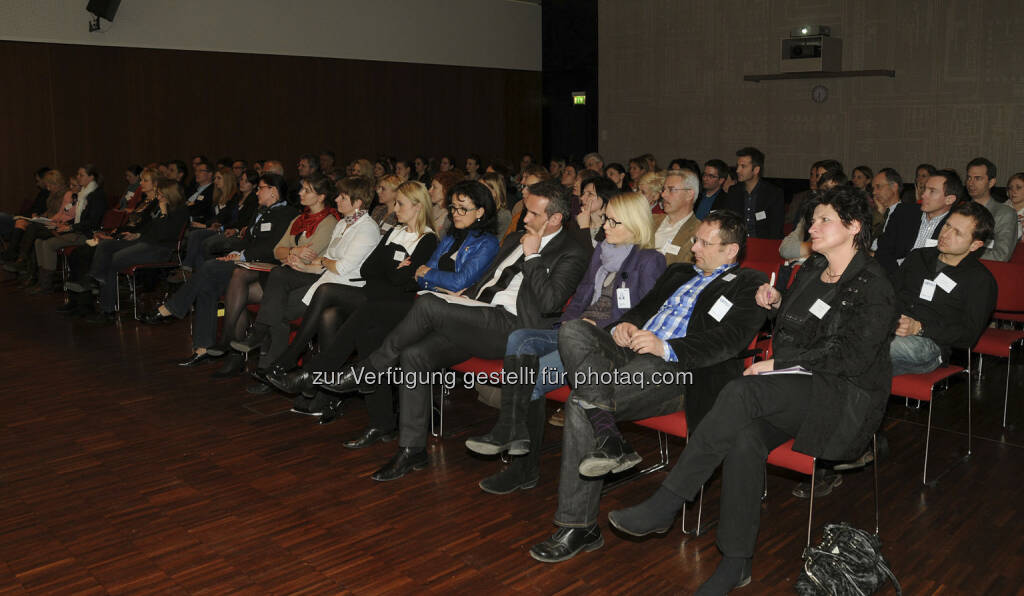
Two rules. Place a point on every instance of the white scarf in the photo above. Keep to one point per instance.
(81, 204)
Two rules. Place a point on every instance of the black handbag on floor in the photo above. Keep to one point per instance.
(848, 562)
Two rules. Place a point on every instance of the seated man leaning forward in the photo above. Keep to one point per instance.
(690, 328)
(945, 296)
(527, 284)
(835, 322)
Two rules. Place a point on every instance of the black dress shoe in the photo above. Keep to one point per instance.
(354, 379)
(370, 436)
(155, 318)
(306, 406)
(196, 360)
(566, 543)
(406, 460)
(331, 411)
(612, 454)
(298, 381)
(232, 368)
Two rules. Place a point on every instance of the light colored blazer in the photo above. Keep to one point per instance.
(349, 247)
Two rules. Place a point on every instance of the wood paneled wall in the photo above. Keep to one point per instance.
(65, 105)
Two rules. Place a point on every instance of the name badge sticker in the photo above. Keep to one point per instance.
(931, 243)
(265, 227)
(386, 226)
(399, 255)
(819, 308)
(622, 298)
(671, 249)
(927, 290)
(760, 216)
(720, 309)
(944, 282)
(729, 277)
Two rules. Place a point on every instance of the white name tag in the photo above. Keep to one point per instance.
(670, 249)
(760, 216)
(265, 227)
(944, 282)
(729, 277)
(622, 298)
(399, 255)
(720, 309)
(927, 290)
(386, 227)
(930, 243)
(819, 308)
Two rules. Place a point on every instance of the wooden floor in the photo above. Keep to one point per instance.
(122, 473)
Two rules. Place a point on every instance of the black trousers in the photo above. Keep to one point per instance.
(364, 331)
(331, 305)
(751, 416)
(433, 336)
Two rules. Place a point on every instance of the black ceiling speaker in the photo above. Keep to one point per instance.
(104, 9)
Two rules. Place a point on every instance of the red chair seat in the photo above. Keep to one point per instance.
(253, 308)
(561, 394)
(919, 386)
(671, 424)
(479, 365)
(783, 456)
(997, 342)
(165, 265)
(1008, 316)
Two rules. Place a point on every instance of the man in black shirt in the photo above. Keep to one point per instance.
(944, 295)
(759, 202)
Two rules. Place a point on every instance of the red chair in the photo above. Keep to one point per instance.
(763, 249)
(783, 456)
(1009, 307)
(1018, 254)
(921, 387)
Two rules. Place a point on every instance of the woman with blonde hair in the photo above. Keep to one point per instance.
(58, 209)
(650, 186)
(622, 270)
(225, 200)
(361, 167)
(387, 192)
(386, 273)
(495, 182)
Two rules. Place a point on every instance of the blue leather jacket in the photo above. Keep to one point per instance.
(474, 257)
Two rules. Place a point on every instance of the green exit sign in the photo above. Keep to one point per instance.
(579, 98)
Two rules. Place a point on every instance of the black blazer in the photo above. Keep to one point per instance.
(548, 280)
(847, 350)
(955, 318)
(260, 238)
(900, 233)
(202, 210)
(767, 198)
(711, 349)
(92, 216)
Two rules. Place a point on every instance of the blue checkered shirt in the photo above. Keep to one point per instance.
(673, 317)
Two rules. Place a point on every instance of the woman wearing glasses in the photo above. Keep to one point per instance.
(458, 262)
(622, 270)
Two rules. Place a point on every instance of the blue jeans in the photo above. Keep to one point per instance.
(542, 343)
(914, 355)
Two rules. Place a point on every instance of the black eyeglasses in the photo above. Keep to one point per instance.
(461, 210)
(612, 223)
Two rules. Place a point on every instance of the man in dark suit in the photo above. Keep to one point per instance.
(761, 203)
(899, 220)
(690, 328)
(200, 202)
(527, 285)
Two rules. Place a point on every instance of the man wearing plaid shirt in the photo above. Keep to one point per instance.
(682, 340)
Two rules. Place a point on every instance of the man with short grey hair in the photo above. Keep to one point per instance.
(674, 229)
(594, 161)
